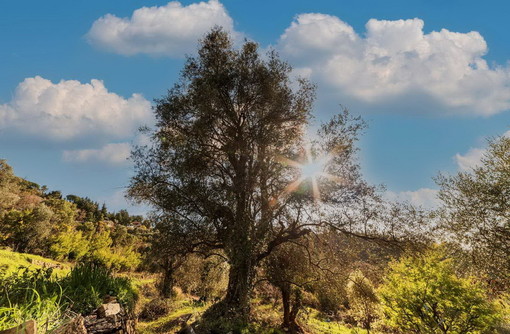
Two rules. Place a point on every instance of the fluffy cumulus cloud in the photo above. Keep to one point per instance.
(469, 160)
(395, 64)
(170, 30)
(112, 154)
(473, 157)
(424, 197)
(70, 109)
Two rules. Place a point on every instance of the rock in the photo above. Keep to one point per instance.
(111, 324)
(109, 319)
(29, 327)
(106, 310)
(75, 326)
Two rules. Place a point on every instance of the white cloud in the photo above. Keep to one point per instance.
(395, 64)
(423, 197)
(113, 154)
(470, 160)
(473, 157)
(71, 110)
(170, 30)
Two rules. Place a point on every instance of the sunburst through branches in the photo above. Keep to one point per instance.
(310, 169)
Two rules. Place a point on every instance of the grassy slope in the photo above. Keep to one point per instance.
(10, 262)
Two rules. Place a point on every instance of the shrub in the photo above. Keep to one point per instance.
(206, 278)
(424, 295)
(69, 245)
(331, 295)
(155, 309)
(363, 300)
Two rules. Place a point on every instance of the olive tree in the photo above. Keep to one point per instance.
(476, 211)
(226, 164)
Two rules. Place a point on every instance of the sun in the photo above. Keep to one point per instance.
(312, 169)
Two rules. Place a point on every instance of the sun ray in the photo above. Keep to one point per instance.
(293, 185)
(315, 190)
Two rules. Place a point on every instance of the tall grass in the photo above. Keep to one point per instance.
(88, 284)
(49, 299)
(31, 294)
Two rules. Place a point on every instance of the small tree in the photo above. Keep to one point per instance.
(363, 300)
(423, 294)
(290, 270)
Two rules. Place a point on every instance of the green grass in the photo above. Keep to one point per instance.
(318, 325)
(10, 262)
(28, 291)
(31, 295)
(87, 285)
(170, 323)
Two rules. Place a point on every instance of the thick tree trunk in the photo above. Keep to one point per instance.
(240, 285)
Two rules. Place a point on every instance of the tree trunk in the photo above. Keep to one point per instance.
(285, 290)
(240, 285)
(290, 310)
(168, 279)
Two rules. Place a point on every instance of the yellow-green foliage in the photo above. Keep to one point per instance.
(121, 258)
(70, 244)
(74, 244)
(423, 294)
(504, 306)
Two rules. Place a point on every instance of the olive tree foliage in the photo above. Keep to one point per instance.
(217, 168)
(476, 211)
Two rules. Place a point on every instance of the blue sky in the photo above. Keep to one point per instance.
(432, 78)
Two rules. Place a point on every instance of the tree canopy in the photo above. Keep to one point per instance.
(226, 167)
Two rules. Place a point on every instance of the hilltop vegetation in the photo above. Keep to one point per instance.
(38, 221)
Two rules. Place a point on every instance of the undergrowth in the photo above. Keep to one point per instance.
(39, 294)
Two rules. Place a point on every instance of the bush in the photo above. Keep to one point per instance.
(69, 245)
(331, 295)
(424, 295)
(206, 278)
(155, 309)
(363, 301)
